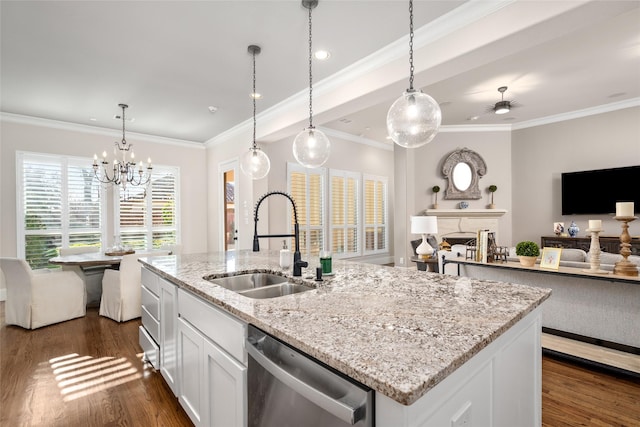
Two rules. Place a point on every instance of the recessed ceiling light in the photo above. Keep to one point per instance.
(256, 95)
(322, 55)
(473, 118)
(93, 119)
(212, 109)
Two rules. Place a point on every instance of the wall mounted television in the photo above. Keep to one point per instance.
(597, 191)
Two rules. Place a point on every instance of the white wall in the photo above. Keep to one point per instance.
(540, 154)
(58, 138)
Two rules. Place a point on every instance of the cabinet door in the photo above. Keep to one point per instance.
(225, 388)
(190, 372)
(169, 334)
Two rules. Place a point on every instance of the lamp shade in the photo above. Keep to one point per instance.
(424, 225)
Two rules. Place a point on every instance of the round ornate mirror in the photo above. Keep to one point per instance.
(462, 176)
(463, 169)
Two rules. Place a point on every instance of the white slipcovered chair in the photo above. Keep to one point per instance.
(91, 276)
(36, 300)
(121, 289)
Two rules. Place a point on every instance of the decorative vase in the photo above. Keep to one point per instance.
(463, 205)
(527, 261)
(573, 229)
(492, 206)
(435, 206)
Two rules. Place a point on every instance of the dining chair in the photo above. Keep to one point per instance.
(36, 299)
(121, 289)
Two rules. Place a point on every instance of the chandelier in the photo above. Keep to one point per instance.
(122, 171)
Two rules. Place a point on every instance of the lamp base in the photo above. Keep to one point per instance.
(424, 250)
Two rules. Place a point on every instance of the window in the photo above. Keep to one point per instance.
(306, 187)
(148, 218)
(344, 213)
(60, 207)
(357, 207)
(375, 214)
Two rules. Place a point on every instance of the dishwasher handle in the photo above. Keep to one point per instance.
(340, 409)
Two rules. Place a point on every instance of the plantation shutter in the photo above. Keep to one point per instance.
(306, 187)
(375, 214)
(344, 213)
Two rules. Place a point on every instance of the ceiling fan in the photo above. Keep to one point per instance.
(502, 106)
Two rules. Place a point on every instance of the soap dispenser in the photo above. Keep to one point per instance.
(285, 255)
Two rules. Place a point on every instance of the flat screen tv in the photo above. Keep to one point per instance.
(597, 191)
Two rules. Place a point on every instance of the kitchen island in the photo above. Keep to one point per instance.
(417, 339)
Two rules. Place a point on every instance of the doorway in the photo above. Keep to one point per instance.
(229, 217)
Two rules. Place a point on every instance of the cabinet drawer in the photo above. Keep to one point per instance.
(220, 327)
(150, 281)
(150, 347)
(151, 302)
(150, 324)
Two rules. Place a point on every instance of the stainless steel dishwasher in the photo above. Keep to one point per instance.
(287, 388)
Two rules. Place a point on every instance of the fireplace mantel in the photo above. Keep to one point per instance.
(466, 213)
(464, 223)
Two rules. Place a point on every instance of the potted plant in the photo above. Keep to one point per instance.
(527, 251)
(436, 190)
(492, 189)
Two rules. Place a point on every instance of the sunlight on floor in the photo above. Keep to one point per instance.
(78, 376)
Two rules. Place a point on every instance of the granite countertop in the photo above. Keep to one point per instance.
(399, 331)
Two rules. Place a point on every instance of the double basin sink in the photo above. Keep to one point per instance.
(259, 285)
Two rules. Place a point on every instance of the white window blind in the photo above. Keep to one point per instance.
(344, 191)
(375, 214)
(307, 188)
(60, 206)
(148, 218)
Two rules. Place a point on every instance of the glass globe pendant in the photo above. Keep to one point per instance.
(414, 119)
(255, 163)
(311, 147)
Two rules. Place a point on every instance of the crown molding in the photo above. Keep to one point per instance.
(600, 109)
(475, 128)
(94, 130)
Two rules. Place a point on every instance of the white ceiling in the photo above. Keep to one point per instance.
(74, 61)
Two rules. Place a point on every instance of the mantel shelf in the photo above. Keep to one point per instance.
(466, 213)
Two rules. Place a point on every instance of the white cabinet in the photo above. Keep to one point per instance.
(211, 364)
(169, 333)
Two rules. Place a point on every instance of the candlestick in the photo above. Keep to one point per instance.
(594, 249)
(625, 267)
(595, 224)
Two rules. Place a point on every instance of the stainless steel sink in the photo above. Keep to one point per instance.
(259, 285)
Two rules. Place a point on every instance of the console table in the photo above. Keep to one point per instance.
(609, 244)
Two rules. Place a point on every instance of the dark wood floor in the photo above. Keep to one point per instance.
(88, 372)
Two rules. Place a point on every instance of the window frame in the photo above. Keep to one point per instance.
(148, 229)
(65, 231)
(385, 181)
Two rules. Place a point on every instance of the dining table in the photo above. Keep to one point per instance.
(90, 267)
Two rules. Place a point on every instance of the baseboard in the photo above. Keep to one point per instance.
(590, 364)
(3, 294)
(594, 341)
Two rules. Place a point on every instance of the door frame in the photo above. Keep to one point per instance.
(222, 168)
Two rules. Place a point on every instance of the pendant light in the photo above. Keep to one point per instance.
(414, 119)
(255, 163)
(311, 147)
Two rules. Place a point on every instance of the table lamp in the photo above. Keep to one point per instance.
(424, 225)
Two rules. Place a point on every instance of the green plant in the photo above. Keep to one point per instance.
(527, 248)
(492, 189)
(436, 190)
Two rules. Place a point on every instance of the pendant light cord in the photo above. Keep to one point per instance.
(410, 45)
(310, 75)
(253, 95)
(124, 141)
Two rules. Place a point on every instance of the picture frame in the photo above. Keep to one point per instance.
(550, 258)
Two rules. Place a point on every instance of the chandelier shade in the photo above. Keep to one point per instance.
(255, 163)
(414, 119)
(122, 171)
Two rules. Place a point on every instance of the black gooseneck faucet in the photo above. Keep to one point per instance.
(297, 258)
